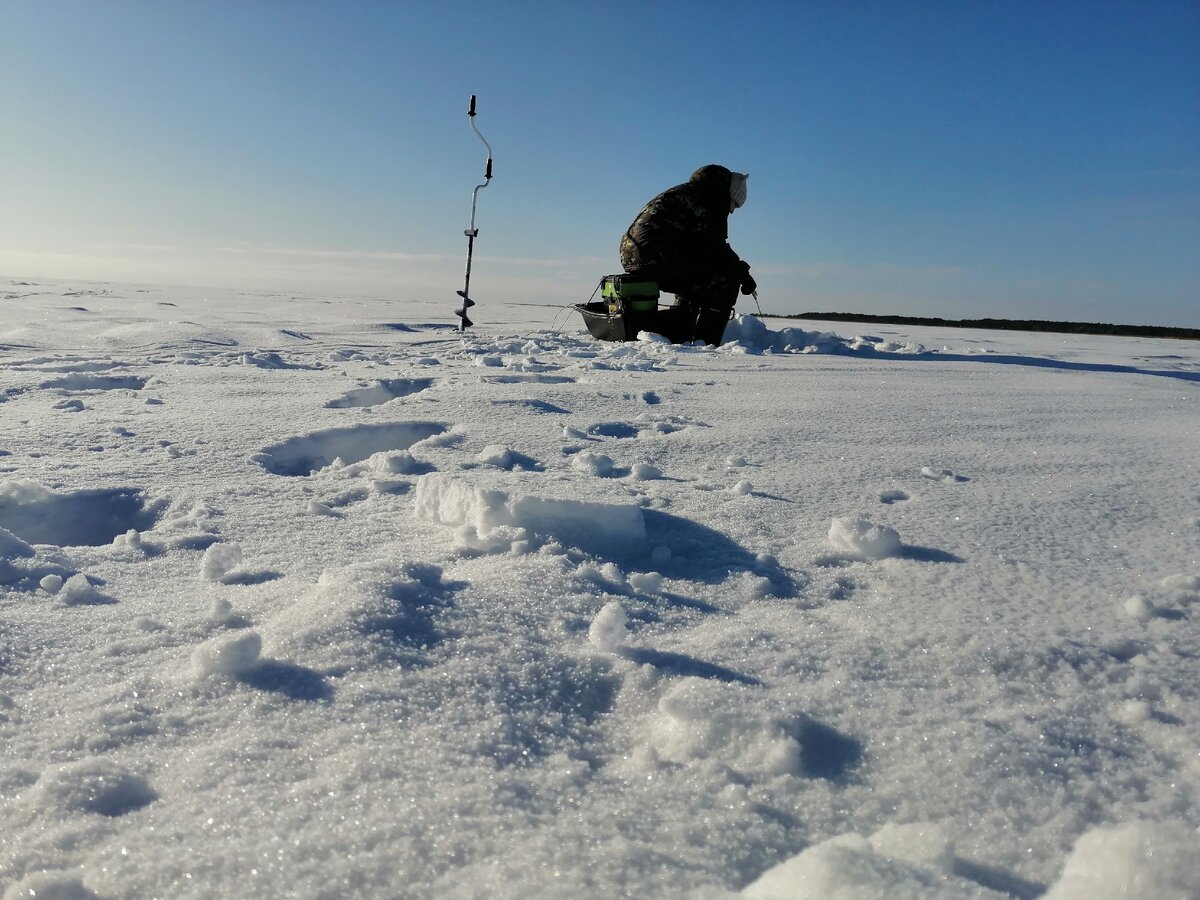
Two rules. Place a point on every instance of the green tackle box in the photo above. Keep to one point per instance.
(629, 293)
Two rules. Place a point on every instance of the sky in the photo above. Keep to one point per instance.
(1006, 159)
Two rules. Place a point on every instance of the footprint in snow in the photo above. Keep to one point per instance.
(612, 430)
(537, 406)
(942, 475)
(379, 392)
(89, 518)
(529, 379)
(77, 382)
(310, 453)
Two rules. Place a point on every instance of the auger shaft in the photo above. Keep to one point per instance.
(473, 232)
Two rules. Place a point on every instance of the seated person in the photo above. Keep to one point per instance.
(680, 240)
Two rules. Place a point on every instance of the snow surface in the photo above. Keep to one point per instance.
(311, 596)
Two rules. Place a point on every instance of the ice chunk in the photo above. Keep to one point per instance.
(51, 584)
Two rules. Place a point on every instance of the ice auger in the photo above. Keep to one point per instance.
(472, 232)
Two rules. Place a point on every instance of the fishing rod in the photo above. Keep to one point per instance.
(473, 232)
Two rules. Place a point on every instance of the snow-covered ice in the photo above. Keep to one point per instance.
(314, 596)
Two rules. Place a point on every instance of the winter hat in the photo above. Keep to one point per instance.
(737, 188)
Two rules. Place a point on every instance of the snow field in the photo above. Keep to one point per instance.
(358, 606)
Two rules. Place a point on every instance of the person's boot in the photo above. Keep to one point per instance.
(710, 325)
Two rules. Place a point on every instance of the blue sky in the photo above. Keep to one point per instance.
(1005, 159)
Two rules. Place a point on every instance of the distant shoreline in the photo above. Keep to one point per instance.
(1150, 331)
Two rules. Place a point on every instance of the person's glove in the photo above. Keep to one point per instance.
(749, 285)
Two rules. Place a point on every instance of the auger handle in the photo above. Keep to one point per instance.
(471, 111)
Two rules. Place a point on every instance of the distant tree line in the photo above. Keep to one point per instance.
(1152, 331)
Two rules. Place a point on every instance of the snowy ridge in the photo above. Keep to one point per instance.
(312, 596)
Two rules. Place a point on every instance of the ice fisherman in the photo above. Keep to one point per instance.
(681, 240)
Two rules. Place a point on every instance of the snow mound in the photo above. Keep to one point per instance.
(363, 615)
(897, 863)
(750, 334)
(1137, 859)
(500, 501)
(49, 886)
(700, 719)
(91, 786)
(864, 539)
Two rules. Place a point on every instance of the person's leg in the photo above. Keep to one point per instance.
(711, 296)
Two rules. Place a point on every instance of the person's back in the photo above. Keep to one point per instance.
(680, 240)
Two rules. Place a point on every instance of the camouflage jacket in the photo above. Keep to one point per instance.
(684, 227)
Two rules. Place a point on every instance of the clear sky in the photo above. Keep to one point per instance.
(961, 159)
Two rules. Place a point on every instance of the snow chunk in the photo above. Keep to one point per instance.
(609, 630)
(742, 489)
(646, 582)
(399, 462)
(1139, 608)
(1137, 859)
(864, 539)
(227, 654)
(51, 584)
(590, 525)
(496, 455)
(130, 540)
(219, 560)
(78, 590)
(645, 472)
(590, 463)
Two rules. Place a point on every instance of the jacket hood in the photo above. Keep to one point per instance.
(713, 182)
